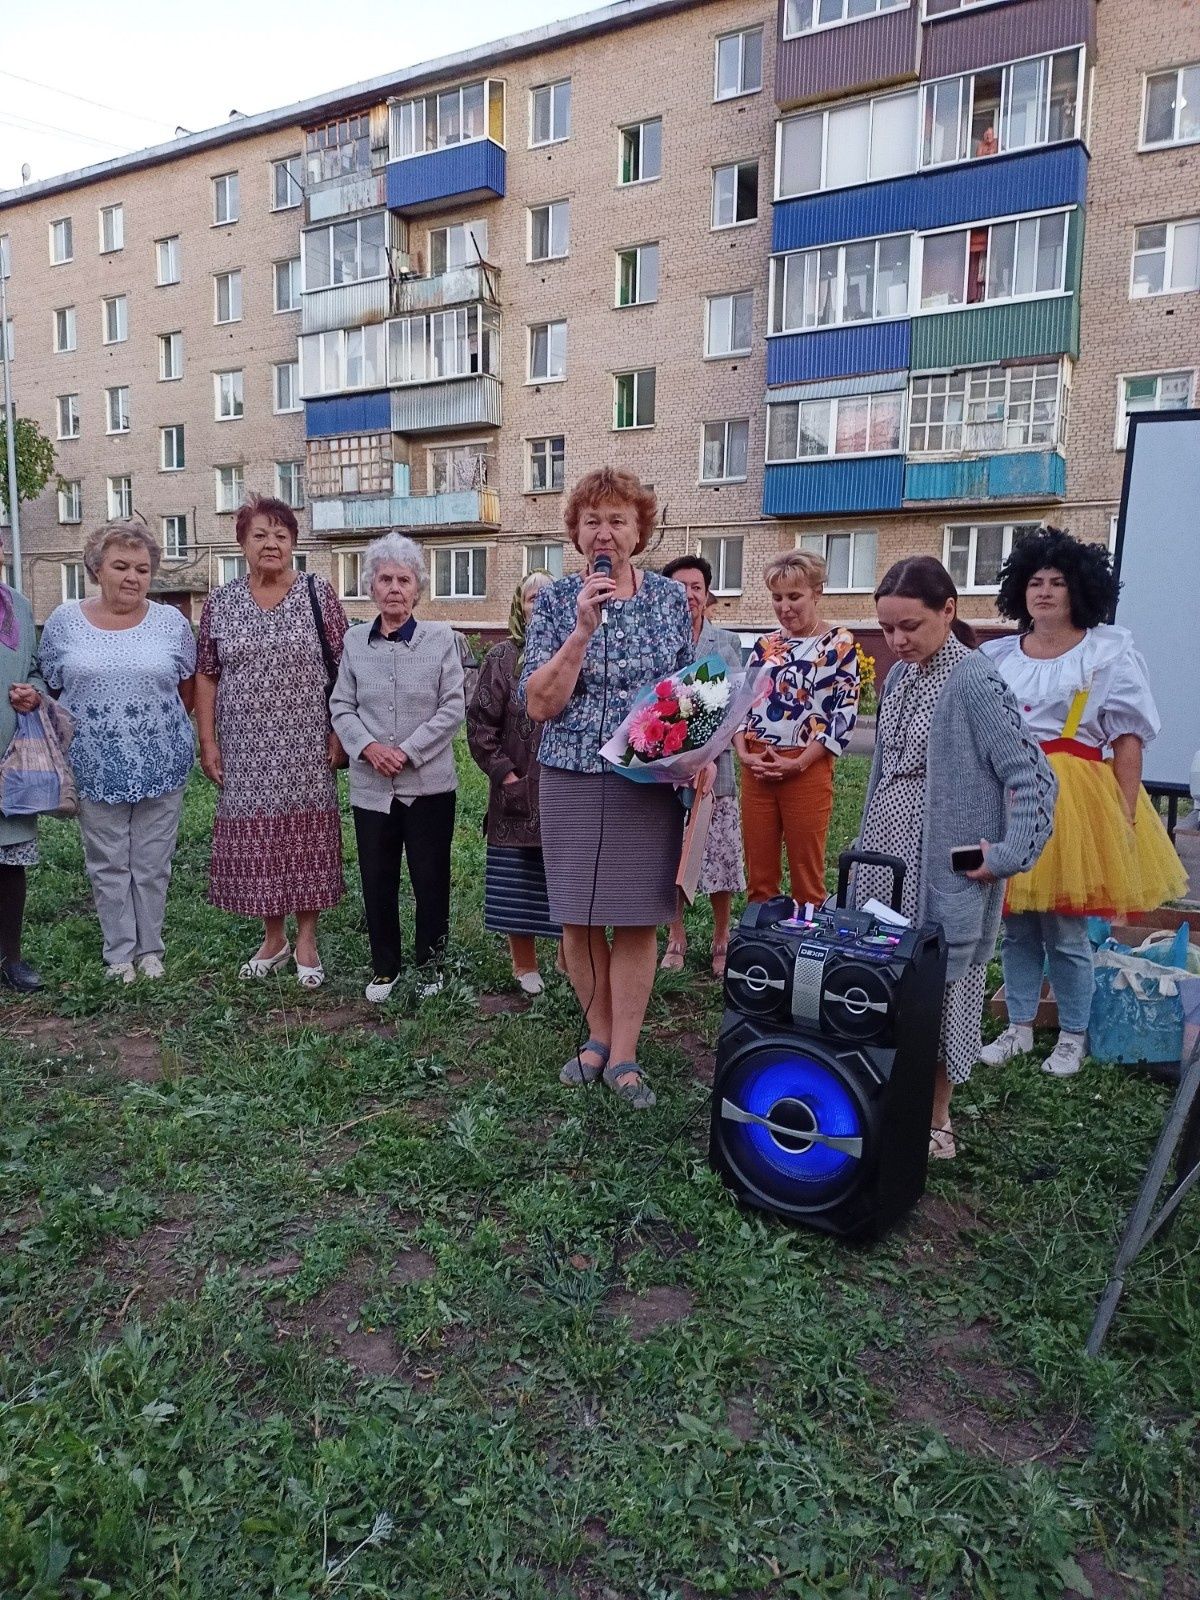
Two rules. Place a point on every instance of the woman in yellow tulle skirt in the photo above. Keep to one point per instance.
(1083, 690)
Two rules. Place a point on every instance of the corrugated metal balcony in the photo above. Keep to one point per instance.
(461, 174)
(856, 55)
(345, 305)
(825, 488)
(463, 508)
(349, 413)
(463, 286)
(976, 335)
(454, 403)
(342, 197)
(838, 352)
(963, 41)
(1015, 475)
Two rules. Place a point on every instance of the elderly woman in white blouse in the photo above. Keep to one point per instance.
(396, 707)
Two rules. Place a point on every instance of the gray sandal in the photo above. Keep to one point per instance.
(576, 1072)
(638, 1093)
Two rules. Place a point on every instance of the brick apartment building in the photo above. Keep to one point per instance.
(818, 271)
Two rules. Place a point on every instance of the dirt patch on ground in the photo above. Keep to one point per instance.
(360, 1015)
(742, 1419)
(334, 1323)
(150, 1271)
(133, 1057)
(700, 1054)
(652, 1309)
(48, 1036)
(412, 1266)
(500, 1005)
(268, 1271)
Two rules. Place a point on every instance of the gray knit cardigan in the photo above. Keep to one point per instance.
(985, 778)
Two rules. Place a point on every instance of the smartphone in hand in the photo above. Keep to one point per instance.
(966, 858)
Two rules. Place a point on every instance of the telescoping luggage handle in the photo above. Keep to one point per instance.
(869, 858)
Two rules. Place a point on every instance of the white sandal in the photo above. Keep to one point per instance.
(264, 966)
(310, 977)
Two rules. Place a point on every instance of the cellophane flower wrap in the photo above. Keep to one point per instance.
(680, 724)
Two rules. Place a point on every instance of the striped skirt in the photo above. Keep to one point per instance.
(515, 898)
(611, 847)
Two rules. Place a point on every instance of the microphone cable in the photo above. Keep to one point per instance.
(585, 1026)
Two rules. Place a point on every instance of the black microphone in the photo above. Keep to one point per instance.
(602, 566)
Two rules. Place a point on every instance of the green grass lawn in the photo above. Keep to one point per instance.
(303, 1298)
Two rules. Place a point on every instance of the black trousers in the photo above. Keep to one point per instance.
(422, 831)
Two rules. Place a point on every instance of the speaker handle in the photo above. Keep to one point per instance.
(869, 858)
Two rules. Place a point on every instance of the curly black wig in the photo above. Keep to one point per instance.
(1091, 582)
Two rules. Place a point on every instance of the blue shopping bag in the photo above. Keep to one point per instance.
(35, 779)
(1137, 1011)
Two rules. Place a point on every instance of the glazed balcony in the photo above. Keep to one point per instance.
(458, 509)
(447, 147)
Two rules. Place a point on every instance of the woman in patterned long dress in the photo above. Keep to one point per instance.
(21, 689)
(266, 742)
(954, 765)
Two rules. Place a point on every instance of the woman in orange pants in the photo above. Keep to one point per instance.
(800, 722)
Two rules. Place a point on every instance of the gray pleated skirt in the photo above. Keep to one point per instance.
(625, 838)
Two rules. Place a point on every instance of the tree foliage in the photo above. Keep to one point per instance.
(35, 460)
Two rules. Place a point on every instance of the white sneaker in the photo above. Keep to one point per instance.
(380, 989)
(1065, 1060)
(1014, 1041)
(151, 967)
(120, 972)
(531, 982)
(426, 991)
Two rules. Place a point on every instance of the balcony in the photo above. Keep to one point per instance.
(963, 40)
(345, 305)
(839, 352)
(827, 488)
(462, 286)
(857, 54)
(462, 508)
(461, 174)
(343, 196)
(335, 414)
(1011, 475)
(976, 335)
(452, 403)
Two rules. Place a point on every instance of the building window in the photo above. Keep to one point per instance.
(461, 246)
(343, 358)
(549, 231)
(849, 559)
(460, 574)
(289, 483)
(723, 449)
(72, 580)
(360, 463)
(1166, 258)
(299, 560)
(287, 285)
(454, 467)
(170, 357)
(68, 416)
(974, 553)
(226, 199)
(228, 396)
(1001, 109)
(174, 538)
(230, 568)
(120, 498)
(547, 352)
(170, 444)
(547, 464)
(637, 275)
(987, 409)
(453, 116)
(1172, 107)
(227, 287)
(739, 64)
(116, 319)
(550, 113)
(803, 16)
(1016, 260)
(116, 410)
(112, 229)
(5, 255)
(64, 329)
(338, 149)
(543, 558)
(287, 183)
(853, 425)
(840, 283)
(1151, 391)
(633, 399)
(70, 501)
(859, 143)
(641, 151)
(230, 487)
(724, 556)
(287, 386)
(734, 194)
(727, 323)
(352, 251)
(166, 259)
(425, 349)
(62, 242)
(350, 576)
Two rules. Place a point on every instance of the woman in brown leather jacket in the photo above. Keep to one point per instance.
(504, 744)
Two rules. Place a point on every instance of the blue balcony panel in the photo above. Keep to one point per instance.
(833, 388)
(463, 508)
(463, 174)
(1034, 180)
(349, 413)
(824, 488)
(1020, 475)
(839, 352)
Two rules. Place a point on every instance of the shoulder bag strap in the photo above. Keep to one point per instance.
(319, 620)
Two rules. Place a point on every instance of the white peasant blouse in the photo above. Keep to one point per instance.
(1104, 662)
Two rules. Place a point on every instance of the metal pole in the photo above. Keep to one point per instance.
(10, 436)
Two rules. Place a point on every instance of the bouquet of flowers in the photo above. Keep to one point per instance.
(678, 726)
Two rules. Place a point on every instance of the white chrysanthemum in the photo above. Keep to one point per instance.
(713, 696)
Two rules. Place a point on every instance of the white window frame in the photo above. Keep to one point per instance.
(966, 106)
(735, 167)
(68, 224)
(557, 211)
(293, 168)
(229, 186)
(399, 108)
(173, 548)
(735, 351)
(231, 567)
(120, 302)
(295, 282)
(1168, 249)
(70, 411)
(74, 579)
(478, 568)
(549, 89)
(115, 217)
(554, 553)
(229, 397)
(990, 223)
(781, 266)
(826, 113)
(329, 229)
(637, 374)
(955, 8)
(724, 423)
(166, 248)
(721, 584)
(470, 240)
(174, 433)
(635, 250)
(228, 277)
(552, 337)
(293, 496)
(1175, 141)
(1121, 434)
(994, 376)
(5, 255)
(351, 561)
(70, 501)
(640, 128)
(973, 529)
(818, 543)
(70, 330)
(844, 21)
(474, 454)
(460, 342)
(741, 35)
(237, 488)
(297, 404)
(547, 441)
(835, 404)
(170, 346)
(115, 406)
(120, 500)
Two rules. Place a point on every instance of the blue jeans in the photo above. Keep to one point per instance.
(1041, 941)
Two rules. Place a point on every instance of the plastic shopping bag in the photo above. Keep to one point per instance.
(35, 776)
(1137, 1013)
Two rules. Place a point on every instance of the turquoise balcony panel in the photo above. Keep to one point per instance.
(825, 488)
(464, 508)
(461, 174)
(1015, 475)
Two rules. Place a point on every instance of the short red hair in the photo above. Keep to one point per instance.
(610, 486)
(265, 505)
